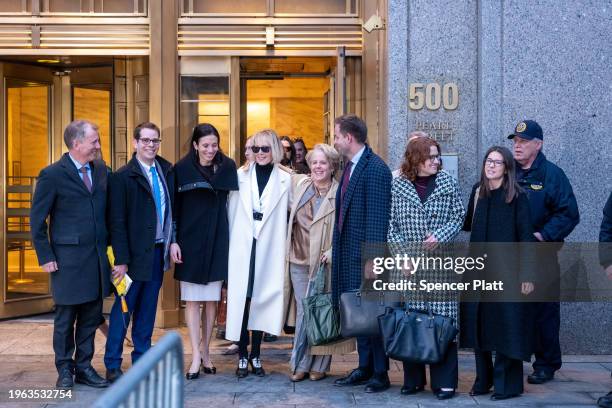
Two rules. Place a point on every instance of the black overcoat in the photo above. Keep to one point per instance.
(76, 237)
(133, 219)
(490, 325)
(200, 216)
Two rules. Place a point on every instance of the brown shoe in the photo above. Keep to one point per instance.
(316, 375)
(298, 376)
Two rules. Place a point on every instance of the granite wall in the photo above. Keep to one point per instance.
(547, 60)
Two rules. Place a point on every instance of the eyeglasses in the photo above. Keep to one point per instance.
(434, 157)
(148, 142)
(264, 149)
(494, 163)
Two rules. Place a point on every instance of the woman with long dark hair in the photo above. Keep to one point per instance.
(498, 214)
(202, 181)
(288, 151)
(426, 210)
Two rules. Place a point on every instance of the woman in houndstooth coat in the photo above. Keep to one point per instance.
(426, 209)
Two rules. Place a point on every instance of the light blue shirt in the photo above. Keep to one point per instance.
(147, 171)
(79, 165)
(355, 160)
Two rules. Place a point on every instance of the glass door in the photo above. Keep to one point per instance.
(27, 142)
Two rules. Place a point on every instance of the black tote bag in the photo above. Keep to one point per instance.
(359, 311)
(416, 336)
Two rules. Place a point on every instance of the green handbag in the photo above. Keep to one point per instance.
(320, 316)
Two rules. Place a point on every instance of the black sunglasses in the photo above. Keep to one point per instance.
(264, 149)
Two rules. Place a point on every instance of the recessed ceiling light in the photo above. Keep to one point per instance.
(48, 61)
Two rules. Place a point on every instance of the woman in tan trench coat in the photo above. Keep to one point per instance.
(309, 242)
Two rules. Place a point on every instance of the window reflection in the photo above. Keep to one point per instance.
(27, 113)
(94, 105)
(204, 100)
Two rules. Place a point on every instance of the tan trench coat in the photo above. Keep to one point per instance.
(321, 235)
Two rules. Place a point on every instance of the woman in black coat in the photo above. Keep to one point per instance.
(202, 181)
(498, 214)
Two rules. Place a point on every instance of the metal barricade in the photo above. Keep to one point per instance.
(156, 380)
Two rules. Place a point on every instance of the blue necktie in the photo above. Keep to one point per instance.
(156, 194)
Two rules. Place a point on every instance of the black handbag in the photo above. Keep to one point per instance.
(359, 311)
(416, 336)
(320, 314)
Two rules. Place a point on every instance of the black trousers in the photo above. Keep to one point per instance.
(372, 357)
(506, 375)
(548, 349)
(75, 327)
(256, 336)
(444, 374)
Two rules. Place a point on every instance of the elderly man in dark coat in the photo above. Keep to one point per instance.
(364, 202)
(554, 213)
(72, 249)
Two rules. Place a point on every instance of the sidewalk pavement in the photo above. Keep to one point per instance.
(26, 362)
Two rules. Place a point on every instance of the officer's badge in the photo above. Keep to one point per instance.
(537, 187)
(521, 127)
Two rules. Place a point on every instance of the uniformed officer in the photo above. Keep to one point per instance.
(554, 213)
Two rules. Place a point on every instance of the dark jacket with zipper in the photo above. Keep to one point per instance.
(200, 216)
(133, 218)
(605, 235)
(553, 206)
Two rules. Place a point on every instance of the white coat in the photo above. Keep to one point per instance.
(266, 312)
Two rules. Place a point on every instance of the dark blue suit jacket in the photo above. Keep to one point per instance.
(365, 209)
(76, 236)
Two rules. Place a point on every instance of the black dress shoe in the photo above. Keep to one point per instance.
(64, 379)
(444, 395)
(410, 390)
(540, 377)
(500, 397)
(208, 370)
(113, 374)
(377, 385)
(256, 366)
(356, 377)
(192, 376)
(90, 377)
(268, 338)
(243, 368)
(605, 401)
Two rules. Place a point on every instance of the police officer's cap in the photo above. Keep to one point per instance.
(528, 129)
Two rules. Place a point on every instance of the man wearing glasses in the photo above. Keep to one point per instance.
(140, 226)
(554, 214)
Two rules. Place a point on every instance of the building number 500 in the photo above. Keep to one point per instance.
(433, 96)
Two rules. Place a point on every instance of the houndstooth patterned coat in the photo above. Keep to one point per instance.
(411, 221)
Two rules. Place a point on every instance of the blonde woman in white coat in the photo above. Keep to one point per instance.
(258, 220)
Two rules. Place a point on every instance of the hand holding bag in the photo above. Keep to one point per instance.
(415, 336)
(320, 315)
(359, 311)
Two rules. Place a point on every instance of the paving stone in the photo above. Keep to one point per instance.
(209, 399)
(338, 398)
